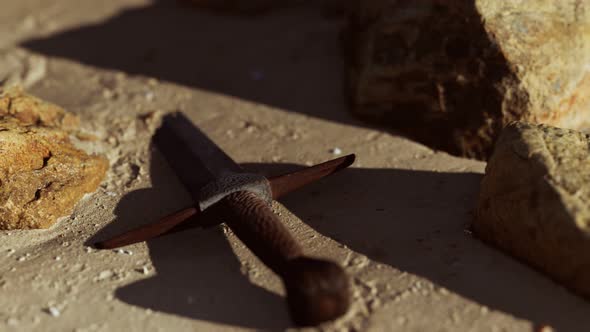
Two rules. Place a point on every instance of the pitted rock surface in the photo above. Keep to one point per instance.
(535, 201)
(42, 175)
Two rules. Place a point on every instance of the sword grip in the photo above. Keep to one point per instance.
(317, 290)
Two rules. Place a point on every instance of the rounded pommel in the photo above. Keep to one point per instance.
(317, 291)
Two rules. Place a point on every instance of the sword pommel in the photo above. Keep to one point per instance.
(317, 290)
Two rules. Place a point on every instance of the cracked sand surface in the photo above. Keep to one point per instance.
(268, 91)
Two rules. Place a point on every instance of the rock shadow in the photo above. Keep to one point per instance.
(288, 59)
(417, 222)
(447, 75)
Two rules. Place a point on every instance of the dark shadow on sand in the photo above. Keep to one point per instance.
(417, 222)
(414, 221)
(294, 59)
(197, 275)
(290, 59)
(411, 220)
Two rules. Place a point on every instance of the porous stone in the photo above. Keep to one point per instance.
(19, 67)
(42, 175)
(535, 201)
(453, 73)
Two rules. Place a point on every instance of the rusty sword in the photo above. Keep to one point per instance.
(317, 290)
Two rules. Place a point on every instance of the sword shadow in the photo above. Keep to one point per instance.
(197, 275)
(417, 222)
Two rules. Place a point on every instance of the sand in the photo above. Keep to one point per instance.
(268, 90)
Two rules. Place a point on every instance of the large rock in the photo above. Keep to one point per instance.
(535, 201)
(453, 73)
(42, 175)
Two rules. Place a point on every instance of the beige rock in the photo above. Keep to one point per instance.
(453, 73)
(28, 111)
(42, 175)
(535, 201)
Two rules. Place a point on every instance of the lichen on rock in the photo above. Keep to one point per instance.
(42, 175)
(535, 201)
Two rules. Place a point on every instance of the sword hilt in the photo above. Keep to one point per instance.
(317, 290)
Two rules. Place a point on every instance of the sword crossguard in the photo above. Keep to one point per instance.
(231, 182)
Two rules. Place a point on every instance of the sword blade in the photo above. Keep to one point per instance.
(194, 158)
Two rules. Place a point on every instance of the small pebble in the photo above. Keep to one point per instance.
(374, 304)
(545, 328)
(402, 320)
(108, 94)
(105, 274)
(149, 96)
(143, 270)
(336, 151)
(123, 251)
(57, 258)
(29, 23)
(53, 311)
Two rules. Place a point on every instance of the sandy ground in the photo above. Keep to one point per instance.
(269, 91)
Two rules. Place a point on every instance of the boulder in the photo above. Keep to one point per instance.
(42, 175)
(452, 74)
(535, 201)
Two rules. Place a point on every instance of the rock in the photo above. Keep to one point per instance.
(42, 175)
(20, 67)
(452, 73)
(29, 111)
(535, 201)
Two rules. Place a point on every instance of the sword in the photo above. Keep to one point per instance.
(317, 290)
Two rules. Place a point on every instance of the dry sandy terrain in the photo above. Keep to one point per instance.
(269, 91)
